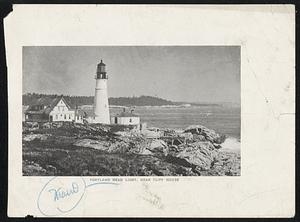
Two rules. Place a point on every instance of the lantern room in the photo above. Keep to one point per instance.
(101, 73)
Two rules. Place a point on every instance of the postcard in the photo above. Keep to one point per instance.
(151, 110)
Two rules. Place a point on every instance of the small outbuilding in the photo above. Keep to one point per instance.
(126, 118)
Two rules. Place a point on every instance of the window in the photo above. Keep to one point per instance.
(63, 109)
(130, 120)
(56, 116)
(69, 116)
(65, 116)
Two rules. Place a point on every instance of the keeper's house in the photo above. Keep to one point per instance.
(53, 110)
(126, 118)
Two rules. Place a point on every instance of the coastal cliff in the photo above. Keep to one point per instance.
(64, 149)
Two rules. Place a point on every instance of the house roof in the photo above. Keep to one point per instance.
(52, 102)
(49, 104)
(126, 114)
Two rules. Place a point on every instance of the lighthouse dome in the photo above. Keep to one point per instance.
(101, 63)
(101, 67)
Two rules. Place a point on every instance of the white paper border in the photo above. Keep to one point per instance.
(266, 34)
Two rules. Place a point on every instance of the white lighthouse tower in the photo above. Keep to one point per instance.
(101, 108)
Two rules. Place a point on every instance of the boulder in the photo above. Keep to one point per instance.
(95, 144)
(151, 134)
(30, 137)
(52, 170)
(198, 137)
(208, 134)
(187, 136)
(203, 145)
(158, 146)
(217, 146)
(118, 147)
(145, 152)
(169, 132)
(123, 133)
(177, 141)
(32, 169)
(198, 154)
(192, 157)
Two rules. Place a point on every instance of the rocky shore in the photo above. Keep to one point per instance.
(64, 149)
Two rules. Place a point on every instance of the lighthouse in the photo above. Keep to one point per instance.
(101, 108)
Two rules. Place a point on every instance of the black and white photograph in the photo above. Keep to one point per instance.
(131, 111)
(151, 111)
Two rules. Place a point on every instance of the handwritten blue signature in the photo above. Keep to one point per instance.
(61, 195)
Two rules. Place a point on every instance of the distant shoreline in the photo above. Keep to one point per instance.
(165, 106)
(140, 101)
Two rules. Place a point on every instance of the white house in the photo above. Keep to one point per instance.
(126, 118)
(62, 112)
(53, 110)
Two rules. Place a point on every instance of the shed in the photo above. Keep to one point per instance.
(126, 118)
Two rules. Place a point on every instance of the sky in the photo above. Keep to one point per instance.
(177, 73)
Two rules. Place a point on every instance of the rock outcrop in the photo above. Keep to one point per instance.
(30, 137)
(203, 133)
(193, 151)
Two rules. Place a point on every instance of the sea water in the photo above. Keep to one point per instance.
(222, 119)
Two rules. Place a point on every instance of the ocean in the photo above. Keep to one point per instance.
(223, 119)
